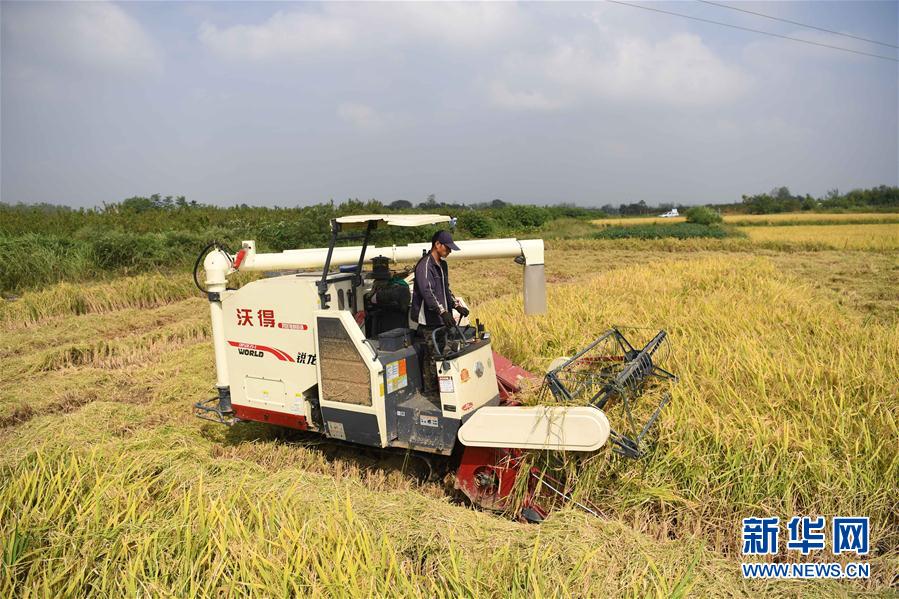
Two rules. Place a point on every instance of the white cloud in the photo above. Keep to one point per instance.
(679, 70)
(360, 115)
(600, 59)
(97, 36)
(283, 34)
(526, 99)
(299, 33)
(461, 24)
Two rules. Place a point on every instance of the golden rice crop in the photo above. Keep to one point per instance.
(117, 353)
(66, 299)
(69, 361)
(879, 237)
(787, 405)
(94, 327)
(154, 514)
(142, 291)
(784, 406)
(787, 218)
(811, 218)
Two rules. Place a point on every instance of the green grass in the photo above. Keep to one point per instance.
(42, 259)
(568, 228)
(663, 231)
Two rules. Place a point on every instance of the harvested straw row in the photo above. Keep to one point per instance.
(144, 291)
(117, 353)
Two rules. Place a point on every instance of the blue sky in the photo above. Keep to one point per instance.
(297, 103)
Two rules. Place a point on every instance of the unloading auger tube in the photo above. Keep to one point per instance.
(326, 347)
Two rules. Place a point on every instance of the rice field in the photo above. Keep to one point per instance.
(878, 237)
(765, 367)
(805, 218)
(768, 220)
(787, 405)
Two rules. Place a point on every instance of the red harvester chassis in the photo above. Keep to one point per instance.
(487, 475)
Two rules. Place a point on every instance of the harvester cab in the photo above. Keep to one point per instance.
(325, 344)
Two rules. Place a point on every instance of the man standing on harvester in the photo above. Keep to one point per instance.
(432, 300)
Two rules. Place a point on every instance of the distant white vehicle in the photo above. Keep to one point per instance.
(670, 214)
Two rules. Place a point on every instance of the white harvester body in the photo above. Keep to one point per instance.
(292, 350)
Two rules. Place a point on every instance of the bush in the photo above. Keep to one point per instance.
(476, 223)
(703, 216)
(115, 249)
(40, 259)
(90, 252)
(567, 228)
(520, 217)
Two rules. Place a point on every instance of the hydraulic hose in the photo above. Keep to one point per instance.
(214, 244)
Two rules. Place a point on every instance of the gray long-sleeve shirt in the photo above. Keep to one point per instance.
(431, 294)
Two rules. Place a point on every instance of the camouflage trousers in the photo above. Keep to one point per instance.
(428, 366)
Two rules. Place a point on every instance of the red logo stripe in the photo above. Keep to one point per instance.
(281, 355)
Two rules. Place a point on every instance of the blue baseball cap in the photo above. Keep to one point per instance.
(446, 239)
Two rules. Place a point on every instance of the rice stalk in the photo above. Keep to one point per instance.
(784, 405)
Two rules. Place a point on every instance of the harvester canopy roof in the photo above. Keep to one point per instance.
(397, 220)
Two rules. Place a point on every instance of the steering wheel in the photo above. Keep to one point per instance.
(454, 339)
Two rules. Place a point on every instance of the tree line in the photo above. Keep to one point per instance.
(143, 233)
(780, 199)
(276, 228)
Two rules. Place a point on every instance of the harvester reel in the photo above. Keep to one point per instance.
(611, 374)
(557, 363)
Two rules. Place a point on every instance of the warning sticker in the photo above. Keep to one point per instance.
(446, 384)
(395, 373)
(428, 420)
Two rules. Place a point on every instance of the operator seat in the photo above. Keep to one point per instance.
(387, 304)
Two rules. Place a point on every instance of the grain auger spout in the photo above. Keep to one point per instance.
(610, 374)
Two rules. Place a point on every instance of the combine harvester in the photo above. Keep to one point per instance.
(333, 352)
